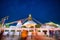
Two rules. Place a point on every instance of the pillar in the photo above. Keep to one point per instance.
(48, 32)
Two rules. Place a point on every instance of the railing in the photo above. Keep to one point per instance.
(38, 29)
(30, 28)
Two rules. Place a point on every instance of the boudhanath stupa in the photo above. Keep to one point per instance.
(29, 22)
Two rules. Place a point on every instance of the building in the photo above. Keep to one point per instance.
(28, 23)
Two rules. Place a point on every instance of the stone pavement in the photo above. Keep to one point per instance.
(38, 37)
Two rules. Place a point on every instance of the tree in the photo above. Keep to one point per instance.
(39, 31)
(30, 30)
(55, 26)
(0, 24)
(38, 25)
(7, 25)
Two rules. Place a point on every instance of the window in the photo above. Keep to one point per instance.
(12, 30)
(6, 30)
(18, 30)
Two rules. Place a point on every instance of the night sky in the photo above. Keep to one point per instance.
(42, 10)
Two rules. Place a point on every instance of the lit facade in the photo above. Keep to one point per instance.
(18, 28)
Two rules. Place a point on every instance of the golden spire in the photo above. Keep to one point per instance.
(30, 17)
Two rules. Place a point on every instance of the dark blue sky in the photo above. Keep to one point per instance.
(42, 10)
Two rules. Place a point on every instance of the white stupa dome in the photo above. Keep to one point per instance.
(29, 23)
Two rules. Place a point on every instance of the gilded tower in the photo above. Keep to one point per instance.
(29, 17)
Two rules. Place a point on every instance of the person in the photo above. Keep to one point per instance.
(57, 35)
(8, 34)
(34, 35)
(1, 34)
(51, 33)
(24, 35)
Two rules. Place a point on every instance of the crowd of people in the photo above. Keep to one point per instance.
(34, 36)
